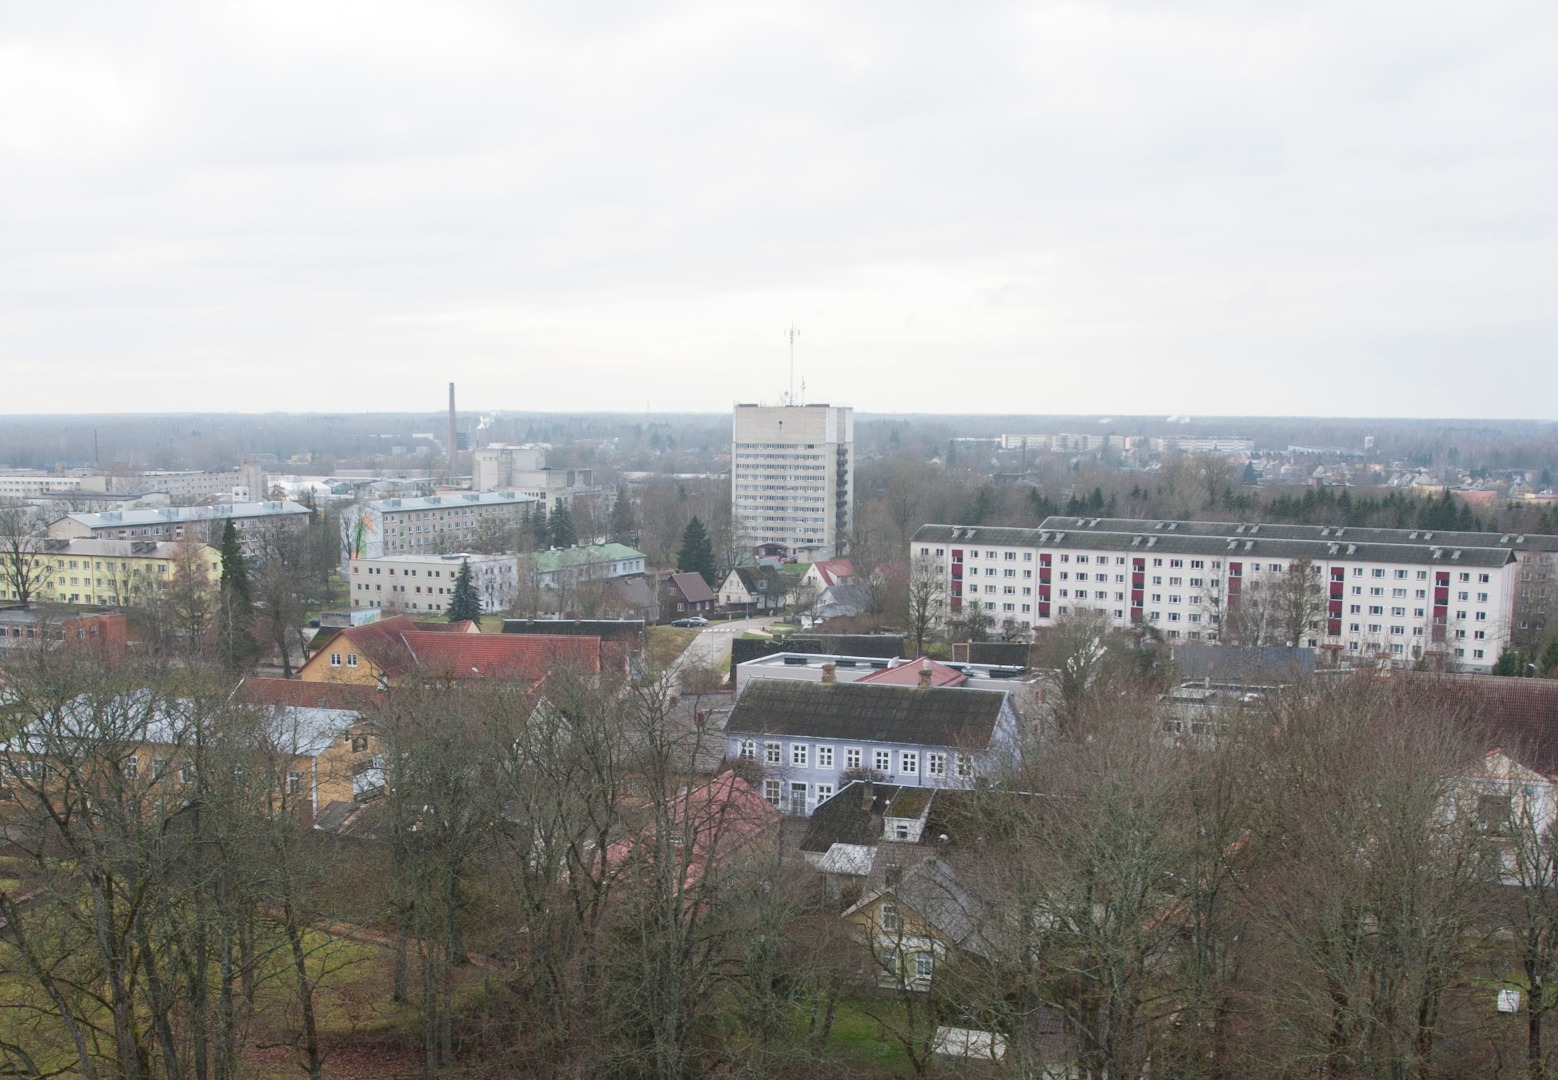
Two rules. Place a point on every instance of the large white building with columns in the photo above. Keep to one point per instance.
(1378, 594)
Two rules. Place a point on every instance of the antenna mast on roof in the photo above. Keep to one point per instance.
(792, 334)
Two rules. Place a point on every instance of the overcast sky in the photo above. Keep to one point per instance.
(1136, 207)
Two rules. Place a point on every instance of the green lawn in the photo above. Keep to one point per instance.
(860, 1040)
(666, 643)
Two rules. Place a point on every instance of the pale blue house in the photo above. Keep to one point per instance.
(812, 738)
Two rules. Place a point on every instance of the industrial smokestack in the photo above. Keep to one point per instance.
(454, 446)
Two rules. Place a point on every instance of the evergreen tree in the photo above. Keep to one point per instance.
(235, 564)
(1550, 660)
(1510, 662)
(235, 611)
(696, 555)
(559, 527)
(624, 527)
(466, 603)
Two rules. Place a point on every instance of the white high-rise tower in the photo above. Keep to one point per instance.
(792, 477)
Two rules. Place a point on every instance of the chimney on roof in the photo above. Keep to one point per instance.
(925, 674)
(830, 672)
(867, 795)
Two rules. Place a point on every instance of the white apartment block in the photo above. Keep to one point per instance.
(1381, 594)
(430, 524)
(203, 523)
(420, 584)
(31, 483)
(792, 477)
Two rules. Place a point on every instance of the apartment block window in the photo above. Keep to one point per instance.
(852, 757)
(771, 791)
(773, 754)
(882, 761)
(936, 764)
(824, 757)
(294, 783)
(892, 919)
(132, 768)
(799, 755)
(335, 659)
(824, 793)
(965, 765)
(748, 749)
(909, 762)
(351, 659)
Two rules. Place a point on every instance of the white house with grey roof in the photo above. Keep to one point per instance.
(1393, 595)
(811, 738)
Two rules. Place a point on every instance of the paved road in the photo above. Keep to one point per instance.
(712, 645)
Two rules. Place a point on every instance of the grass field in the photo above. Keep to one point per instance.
(666, 643)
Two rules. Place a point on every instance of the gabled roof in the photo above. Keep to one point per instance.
(397, 645)
(909, 674)
(759, 579)
(692, 587)
(633, 591)
(834, 571)
(934, 893)
(865, 712)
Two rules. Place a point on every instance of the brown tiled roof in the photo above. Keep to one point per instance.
(940, 716)
(308, 695)
(397, 645)
(1517, 716)
(692, 587)
(509, 656)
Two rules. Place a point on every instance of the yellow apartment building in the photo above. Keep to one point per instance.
(114, 573)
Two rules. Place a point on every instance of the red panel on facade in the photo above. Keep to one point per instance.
(1333, 627)
(1136, 597)
(1236, 569)
(1043, 611)
(1336, 607)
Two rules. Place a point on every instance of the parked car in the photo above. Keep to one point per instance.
(693, 620)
